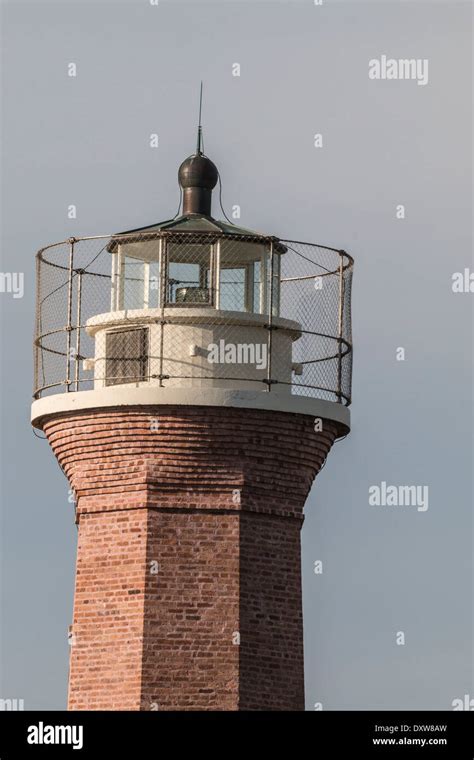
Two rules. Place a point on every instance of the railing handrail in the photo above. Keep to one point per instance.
(319, 347)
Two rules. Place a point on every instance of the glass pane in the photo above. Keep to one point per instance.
(232, 289)
(133, 283)
(188, 274)
(183, 283)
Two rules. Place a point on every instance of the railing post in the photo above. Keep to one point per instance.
(270, 322)
(69, 314)
(216, 274)
(163, 255)
(340, 324)
(113, 282)
(38, 329)
(80, 272)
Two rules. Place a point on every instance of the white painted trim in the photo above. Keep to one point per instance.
(156, 396)
(264, 275)
(187, 315)
(249, 288)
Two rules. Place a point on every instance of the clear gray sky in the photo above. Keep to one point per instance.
(304, 70)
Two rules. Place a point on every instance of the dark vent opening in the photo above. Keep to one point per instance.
(126, 356)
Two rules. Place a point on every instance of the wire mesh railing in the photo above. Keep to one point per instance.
(195, 309)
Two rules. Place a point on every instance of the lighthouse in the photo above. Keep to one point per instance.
(191, 378)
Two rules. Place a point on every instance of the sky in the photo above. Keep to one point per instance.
(84, 140)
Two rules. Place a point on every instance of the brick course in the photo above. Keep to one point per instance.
(189, 537)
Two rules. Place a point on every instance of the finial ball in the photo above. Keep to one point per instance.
(198, 171)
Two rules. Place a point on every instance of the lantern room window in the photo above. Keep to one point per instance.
(189, 280)
(228, 275)
(134, 274)
(233, 290)
(136, 271)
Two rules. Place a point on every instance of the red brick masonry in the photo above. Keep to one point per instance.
(188, 582)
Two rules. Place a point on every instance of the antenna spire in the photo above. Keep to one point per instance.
(198, 176)
(199, 136)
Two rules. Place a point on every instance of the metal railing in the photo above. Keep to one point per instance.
(81, 278)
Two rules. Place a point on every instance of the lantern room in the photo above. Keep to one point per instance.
(196, 268)
(181, 288)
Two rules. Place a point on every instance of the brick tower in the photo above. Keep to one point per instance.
(191, 379)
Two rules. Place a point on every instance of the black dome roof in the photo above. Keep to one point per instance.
(198, 171)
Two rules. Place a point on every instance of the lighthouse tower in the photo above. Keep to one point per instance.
(191, 378)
